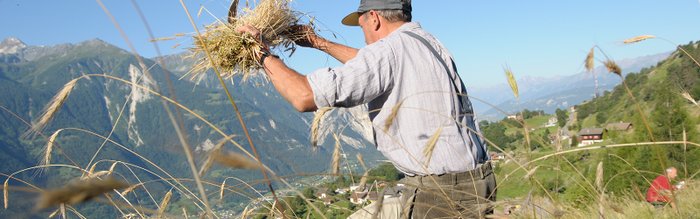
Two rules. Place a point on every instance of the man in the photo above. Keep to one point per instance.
(660, 189)
(422, 119)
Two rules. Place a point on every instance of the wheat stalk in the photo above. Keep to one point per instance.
(246, 212)
(599, 177)
(237, 53)
(687, 96)
(430, 146)
(78, 191)
(531, 172)
(638, 39)
(208, 162)
(6, 191)
(363, 181)
(511, 81)
(164, 203)
(335, 163)
(316, 124)
(234, 160)
(390, 119)
(114, 165)
(221, 190)
(590, 60)
(97, 174)
(129, 189)
(378, 207)
(49, 147)
(613, 67)
(599, 185)
(362, 161)
(53, 106)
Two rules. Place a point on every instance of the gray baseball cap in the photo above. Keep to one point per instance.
(366, 5)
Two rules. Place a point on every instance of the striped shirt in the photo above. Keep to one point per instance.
(413, 92)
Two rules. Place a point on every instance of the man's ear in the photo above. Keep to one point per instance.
(374, 20)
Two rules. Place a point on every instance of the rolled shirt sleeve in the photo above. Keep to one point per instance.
(358, 81)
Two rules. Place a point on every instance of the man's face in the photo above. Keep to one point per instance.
(673, 173)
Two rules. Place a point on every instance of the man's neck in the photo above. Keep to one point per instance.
(391, 27)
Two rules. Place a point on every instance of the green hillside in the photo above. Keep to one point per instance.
(568, 180)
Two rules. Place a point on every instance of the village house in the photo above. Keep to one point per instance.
(495, 156)
(322, 193)
(589, 136)
(551, 122)
(358, 197)
(619, 126)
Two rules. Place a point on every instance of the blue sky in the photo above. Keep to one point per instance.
(535, 38)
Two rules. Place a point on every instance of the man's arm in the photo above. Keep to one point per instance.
(290, 84)
(340, 52)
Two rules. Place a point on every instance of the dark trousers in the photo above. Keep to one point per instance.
(459, 195)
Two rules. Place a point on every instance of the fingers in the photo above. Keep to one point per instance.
(249, 29)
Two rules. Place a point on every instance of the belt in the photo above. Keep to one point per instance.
(480, 172)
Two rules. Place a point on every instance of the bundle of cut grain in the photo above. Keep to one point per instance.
(233, 53)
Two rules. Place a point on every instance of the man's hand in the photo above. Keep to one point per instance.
(307, 36)
(255, 33)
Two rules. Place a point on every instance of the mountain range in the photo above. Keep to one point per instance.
(550, 93)
(31, 75)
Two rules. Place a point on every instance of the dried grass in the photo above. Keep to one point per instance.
(590, 60)
(362, 161)
(78, 191)
(221, 190)
(49, 147)
(599, 186)
(390, 119)
(378, 207)
(208, 162)
(316, 124)
(599, 177)
(6, 191)
(164, 203)
(236, 53)
(531, 172)
(97, 174)
(613, 67)
(53, 107)
(335, 163)
(430, 146)
(234, 160)
(690, 98)
(129, 189)
(638, 39)
(363, 181)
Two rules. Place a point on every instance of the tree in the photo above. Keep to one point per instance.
(601, 117)
(561, 117)
(574, 141)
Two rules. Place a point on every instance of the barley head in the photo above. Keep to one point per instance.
(638, 39)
